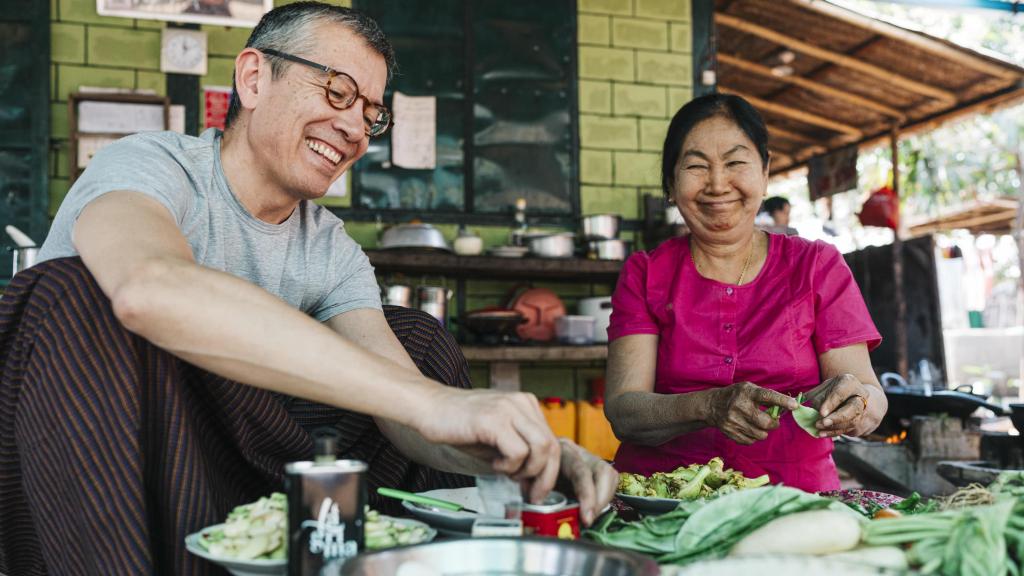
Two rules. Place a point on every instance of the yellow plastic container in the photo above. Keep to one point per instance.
(594, 432)
(561, 416)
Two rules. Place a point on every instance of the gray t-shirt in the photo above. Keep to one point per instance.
(308, 260)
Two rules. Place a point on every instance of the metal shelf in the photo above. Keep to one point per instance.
(553, 353)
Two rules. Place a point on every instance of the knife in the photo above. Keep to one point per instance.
(425, 500)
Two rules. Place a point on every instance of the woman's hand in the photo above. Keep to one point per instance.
(843, 404)
(593, 480)
(736, 411)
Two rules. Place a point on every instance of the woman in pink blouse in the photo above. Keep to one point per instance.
(709, 329)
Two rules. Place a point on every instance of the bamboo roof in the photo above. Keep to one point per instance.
(996, 216)
(825, 77)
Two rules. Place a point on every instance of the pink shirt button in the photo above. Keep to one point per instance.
(728, 359)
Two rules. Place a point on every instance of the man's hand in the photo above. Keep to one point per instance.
(843, 404)
(593, 480)
(736, 411)
(509, 423)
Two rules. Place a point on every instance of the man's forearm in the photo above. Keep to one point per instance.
(437, 456)
(237, 330)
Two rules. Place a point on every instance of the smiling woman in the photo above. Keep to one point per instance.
(709, 329)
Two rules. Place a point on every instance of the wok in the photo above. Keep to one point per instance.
(493, 321)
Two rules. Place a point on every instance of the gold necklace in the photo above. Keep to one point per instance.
(746, 264)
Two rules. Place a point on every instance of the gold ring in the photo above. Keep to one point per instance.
(862, 399)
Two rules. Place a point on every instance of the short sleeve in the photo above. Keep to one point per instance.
(140, 163)
(841, 317)
(357, 284)
(630, 312)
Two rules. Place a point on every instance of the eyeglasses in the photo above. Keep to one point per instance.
(342, 92)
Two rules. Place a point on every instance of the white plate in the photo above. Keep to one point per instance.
(509, 251)
(234, 565)
(410, 523)
(649, 504)
(449, 520)
(276, 567)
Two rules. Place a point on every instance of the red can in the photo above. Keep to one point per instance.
(556, 517)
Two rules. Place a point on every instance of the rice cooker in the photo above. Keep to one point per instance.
(601, 310)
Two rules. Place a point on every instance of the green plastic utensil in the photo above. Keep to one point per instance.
(424, 500)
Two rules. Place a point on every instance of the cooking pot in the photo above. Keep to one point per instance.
(493, 321)
(1017, 417)
(600, 226)
(414, 236)
(600, 309)
(434, 301)
(24, 258)
(559, 245)
(608, 249)
(398, 295)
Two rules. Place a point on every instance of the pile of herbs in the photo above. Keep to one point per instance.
(705, 529)
(986, 540)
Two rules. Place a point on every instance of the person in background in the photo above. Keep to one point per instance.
(776, 209)
(217, 297)
(709, 329)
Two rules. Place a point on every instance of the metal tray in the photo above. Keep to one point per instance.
(531, 556)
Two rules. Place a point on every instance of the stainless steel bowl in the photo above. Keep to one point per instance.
(531, 556)
(601, 226)
(552, 245)
(608, 249)
(414, 236)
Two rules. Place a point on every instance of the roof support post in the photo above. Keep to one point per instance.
(902, 361)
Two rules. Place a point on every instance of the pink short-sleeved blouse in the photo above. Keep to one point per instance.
(803, 303)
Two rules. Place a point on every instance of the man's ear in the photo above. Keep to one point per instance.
(248, 65)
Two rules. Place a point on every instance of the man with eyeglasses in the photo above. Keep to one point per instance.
(212, 250)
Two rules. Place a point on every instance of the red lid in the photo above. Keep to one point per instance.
(554, 400)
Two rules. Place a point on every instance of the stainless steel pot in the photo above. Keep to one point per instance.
(601, 226)
(434, 301)
(24, 258)
(398, 295)
(552, 245)
(529, 556)
(608, 249)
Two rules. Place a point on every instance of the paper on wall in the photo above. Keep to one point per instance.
(119, 117)
(338, 188)
(88, 146)
(414, 135)
(177, 118)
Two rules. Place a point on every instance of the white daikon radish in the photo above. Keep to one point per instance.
(812, 533)
(880, 556)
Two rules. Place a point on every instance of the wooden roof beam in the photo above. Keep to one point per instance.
(835, 57)
(811, 85)
(798, 115)
(920, 40)
(789, 135)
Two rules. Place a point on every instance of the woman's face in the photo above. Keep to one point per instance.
(719, 181)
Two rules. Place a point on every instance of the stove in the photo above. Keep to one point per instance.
(906, 461)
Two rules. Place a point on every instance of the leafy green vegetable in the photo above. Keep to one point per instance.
(701, 529)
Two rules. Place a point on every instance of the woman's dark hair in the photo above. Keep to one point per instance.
(287, 29)
(696, 111)
(774, 204)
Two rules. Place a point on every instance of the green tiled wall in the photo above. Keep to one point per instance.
(634, 73)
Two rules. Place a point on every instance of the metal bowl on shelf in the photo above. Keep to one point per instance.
(530, 556)
(414, 236)
(608, 249)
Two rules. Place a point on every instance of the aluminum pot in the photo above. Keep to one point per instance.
(601, 226)
(529, 556)
(398, 295)
(434, 301)
(24, 258)
(608, 249)
(559, 245)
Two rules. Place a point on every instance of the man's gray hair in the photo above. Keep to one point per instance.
(289, 28)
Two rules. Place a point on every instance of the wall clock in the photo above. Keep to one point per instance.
(183, 51)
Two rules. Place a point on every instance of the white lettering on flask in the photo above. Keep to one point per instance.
(328, 536)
